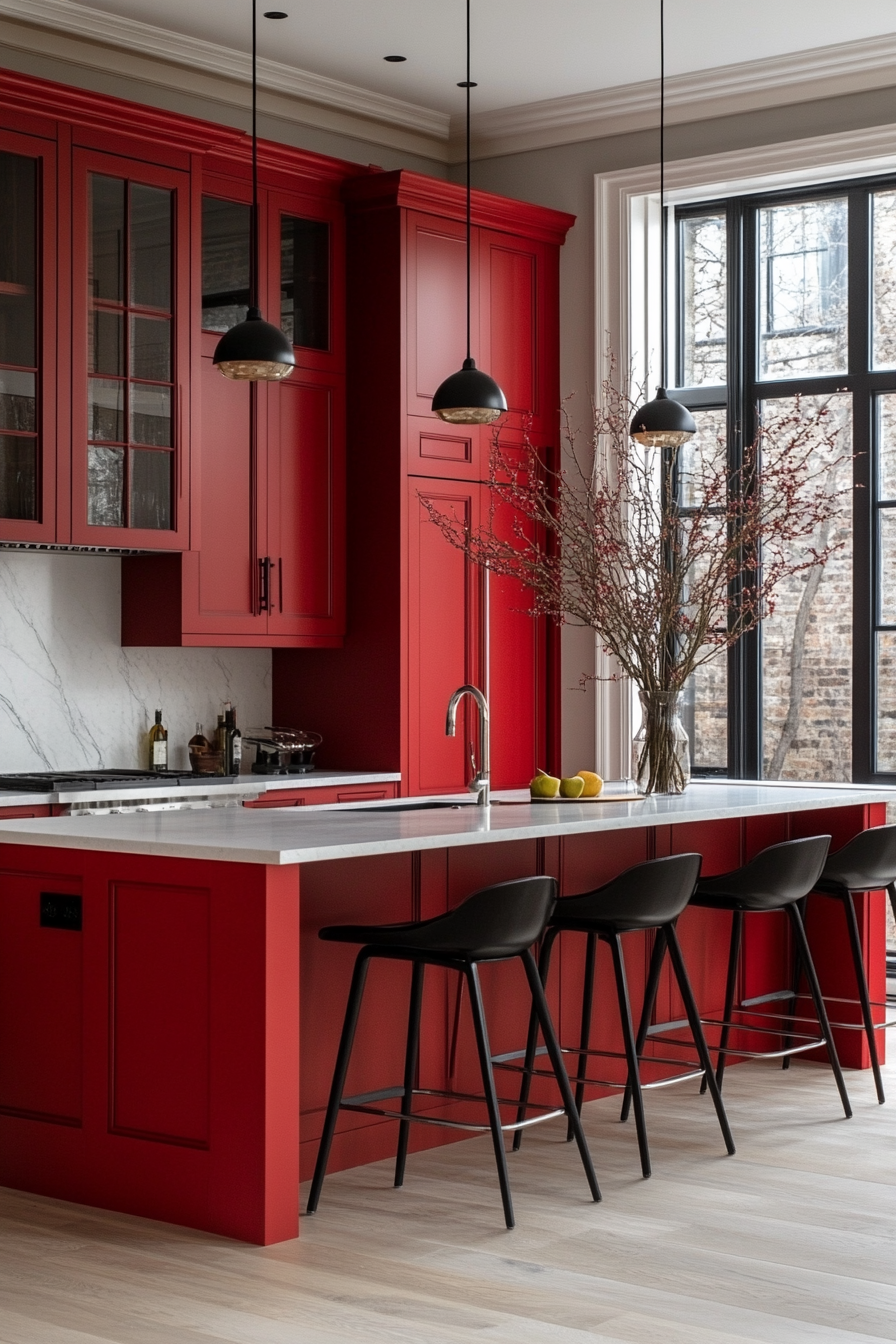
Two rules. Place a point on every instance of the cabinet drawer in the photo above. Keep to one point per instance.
(452, 452)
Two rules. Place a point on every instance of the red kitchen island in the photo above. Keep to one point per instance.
(169, 1018)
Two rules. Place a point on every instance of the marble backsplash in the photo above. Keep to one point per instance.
(72, 698)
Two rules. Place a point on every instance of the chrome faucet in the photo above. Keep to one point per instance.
(479, 784)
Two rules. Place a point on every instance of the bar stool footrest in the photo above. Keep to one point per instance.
(361, 1103)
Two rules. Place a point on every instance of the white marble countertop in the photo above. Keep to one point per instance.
(247, 786)
(308, 835)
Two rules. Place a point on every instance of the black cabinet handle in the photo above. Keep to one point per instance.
(264, 587)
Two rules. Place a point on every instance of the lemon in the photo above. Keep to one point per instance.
(593, 783)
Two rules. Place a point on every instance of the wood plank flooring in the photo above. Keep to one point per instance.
(792, 1241)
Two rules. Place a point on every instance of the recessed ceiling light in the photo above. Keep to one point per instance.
(395, 58)
(275, 14)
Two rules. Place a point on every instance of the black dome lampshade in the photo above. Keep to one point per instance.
(469, 397)
(663, 422)
(255, 351)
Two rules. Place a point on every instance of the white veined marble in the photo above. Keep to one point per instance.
(72, 698)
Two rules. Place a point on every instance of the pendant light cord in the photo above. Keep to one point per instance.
(662, 194)
(253, 259)
(469, 189)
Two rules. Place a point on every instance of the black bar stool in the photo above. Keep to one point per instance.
(776, 879)
(866, 863)
(495, 924)
(649, 896)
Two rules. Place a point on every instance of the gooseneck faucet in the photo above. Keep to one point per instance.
(479, 784)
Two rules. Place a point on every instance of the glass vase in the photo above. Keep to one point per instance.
(661, 751)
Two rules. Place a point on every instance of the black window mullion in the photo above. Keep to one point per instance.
(859, 335)
(744, 679)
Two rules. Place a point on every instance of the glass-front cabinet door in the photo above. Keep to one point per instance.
(305, 290)
(131, 354)
(27, 340)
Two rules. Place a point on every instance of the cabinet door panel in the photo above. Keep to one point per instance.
(130, 353)
(515, 288)
(435, 448)
(443, 632)
(28, 329)
(306, 273)
(306, 508)
(437, 305)
(221, 590)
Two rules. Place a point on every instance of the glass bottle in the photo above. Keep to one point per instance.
(199, 739)
(233, 751)
(158, 745)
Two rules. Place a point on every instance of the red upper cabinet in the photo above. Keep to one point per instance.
(518, 301)
(130, 391)
(28, 339)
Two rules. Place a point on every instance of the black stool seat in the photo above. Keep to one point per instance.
(496, 924)
(865, 863)
(778, 878)
(649, 896)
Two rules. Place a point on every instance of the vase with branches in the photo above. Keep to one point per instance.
(670, 556)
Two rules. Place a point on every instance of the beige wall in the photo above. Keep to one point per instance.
(564, 179)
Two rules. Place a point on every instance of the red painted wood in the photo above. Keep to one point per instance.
(305, 534)
(318, 797)
(86, 162)
(310, 206)
(444, 604)
(43, 529)
(14, 813)
(41, 984)
(159, 998)
(436, 255)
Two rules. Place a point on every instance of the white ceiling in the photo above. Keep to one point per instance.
(525, 51)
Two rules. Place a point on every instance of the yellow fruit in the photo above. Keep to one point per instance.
(544, 786)
(572, 788)
(593, 783)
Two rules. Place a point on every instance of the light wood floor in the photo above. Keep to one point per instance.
(793, 1241)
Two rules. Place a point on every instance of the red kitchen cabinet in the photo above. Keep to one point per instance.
(267, 565)
(316, 797)
(418, 623)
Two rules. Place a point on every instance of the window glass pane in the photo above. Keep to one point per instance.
(18, 407)
(883, 279)
(151, 348)
(305, 281)
(704, 301)
(802, 289)
(702, 460)
(807, 641)
(225, 263)
(105, 410)
(150, 247)
(150, 489)
(705, 714)
(887, 561)
(886, 446)
(150, 415)
(18, 258)
(886, 700)
(105, 343)
(107, 237)
(105, 487)
(18, 477)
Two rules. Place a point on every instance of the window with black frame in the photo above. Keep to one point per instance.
(784, 304)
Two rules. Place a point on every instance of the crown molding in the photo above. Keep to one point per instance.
(159, 56)
(777, 81)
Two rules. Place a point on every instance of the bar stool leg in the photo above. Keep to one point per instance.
(532, 1041)
(628, 1036)
(815, 990)
(410, 1068)
(344, 1054)
(650, 992)
(690, 1007)
(803, 905)
(488, 1082)
(855, 943)
(585, 1033)
(737, 930)
(555, 1055)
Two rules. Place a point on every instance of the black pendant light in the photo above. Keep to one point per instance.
(255, 351)
(469, 397)
(663, 422)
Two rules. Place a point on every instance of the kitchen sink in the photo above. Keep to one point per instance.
(422, 806)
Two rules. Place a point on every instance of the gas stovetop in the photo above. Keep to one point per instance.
(55, 781)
